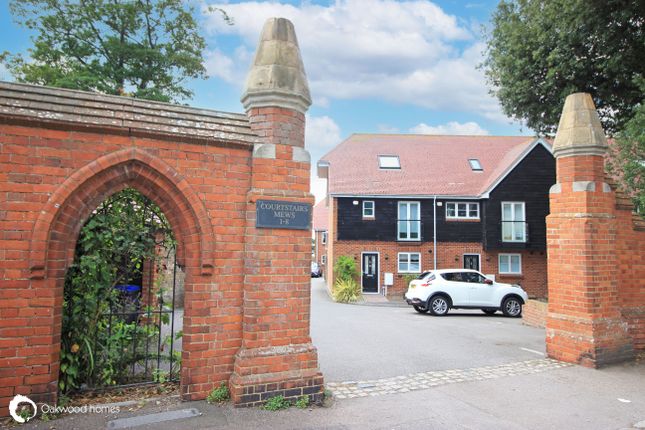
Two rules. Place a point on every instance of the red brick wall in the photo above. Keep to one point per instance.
(534, 313)
(277, 356)
(630, 252)
(596, 272)
(51, 180)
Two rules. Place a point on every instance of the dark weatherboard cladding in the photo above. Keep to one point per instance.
(283, 214)
(529, 182)
(383, 227)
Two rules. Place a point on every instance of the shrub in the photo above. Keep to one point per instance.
(345, 268)
(219, 394)
(409, 278)
(346, 291)
(276, 403)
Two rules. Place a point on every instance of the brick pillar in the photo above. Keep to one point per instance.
(277, 356)
(584, 323)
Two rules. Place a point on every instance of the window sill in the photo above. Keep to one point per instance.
(511, 275)
(463, 219)
(369, 218)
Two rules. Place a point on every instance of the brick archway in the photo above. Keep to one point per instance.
(246, 320)
(71, 204)
(58, 226)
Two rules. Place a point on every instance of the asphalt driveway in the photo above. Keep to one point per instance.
(478, 372)
(365, 342)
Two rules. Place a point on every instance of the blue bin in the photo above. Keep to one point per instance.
(129, 303)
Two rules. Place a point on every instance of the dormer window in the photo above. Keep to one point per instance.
(389, 162)
(475, 165)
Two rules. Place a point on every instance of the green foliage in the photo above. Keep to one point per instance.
(276, 403)
(409, 278)
(144, 48)
(346, 291)
(540, 51)
(219, 394)
(97, 349)
(627, 160)
(302, 402)
(345, 268)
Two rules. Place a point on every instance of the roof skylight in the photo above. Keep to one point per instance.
(475, 164)
(389, 162)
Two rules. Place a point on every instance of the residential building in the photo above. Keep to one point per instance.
(320, 221)
(404, 204)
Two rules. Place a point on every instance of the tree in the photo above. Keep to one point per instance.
(145, 48)
(540, 51)
(627, 158)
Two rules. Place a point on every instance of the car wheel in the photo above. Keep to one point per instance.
(512, 307)
(489, 311)
(439, 305)
(420, 309)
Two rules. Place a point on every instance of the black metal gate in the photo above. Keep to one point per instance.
(149, 325)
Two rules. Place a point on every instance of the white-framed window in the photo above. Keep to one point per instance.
(323, 259)
(462, 210)
(389, 162)
(323, 237)
(513, 222)
(409, 262)
(510, 264)
(409, 221)
(368, 208)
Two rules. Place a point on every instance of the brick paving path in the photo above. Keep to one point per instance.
(426, 380)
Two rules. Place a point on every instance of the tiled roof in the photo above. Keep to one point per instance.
(321, 213)
(56, 105)
(430, 165)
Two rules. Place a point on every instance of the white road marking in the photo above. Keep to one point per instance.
(624, 400)
(533, 351)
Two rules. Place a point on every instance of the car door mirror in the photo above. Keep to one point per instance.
(488, 282)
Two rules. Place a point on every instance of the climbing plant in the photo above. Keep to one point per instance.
(122, 233)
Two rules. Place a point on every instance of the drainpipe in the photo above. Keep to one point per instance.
(434, 231)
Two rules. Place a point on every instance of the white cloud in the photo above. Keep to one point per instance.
(220, 65)
(452, 127)
(405, 52)
(321, 135)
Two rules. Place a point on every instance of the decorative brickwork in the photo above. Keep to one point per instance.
(54, 179)
(277, 356)
(247, 295)
(595, 253)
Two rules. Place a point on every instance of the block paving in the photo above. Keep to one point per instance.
(427, 380)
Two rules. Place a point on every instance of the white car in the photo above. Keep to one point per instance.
(438, 291)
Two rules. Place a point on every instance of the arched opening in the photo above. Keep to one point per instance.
(122, 312)
(57, 229)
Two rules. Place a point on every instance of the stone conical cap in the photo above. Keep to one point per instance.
(579, 131)
(277, 76)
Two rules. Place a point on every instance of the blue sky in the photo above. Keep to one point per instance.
(374, 66)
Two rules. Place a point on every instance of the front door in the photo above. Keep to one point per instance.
(370, 273)
(471, 261)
